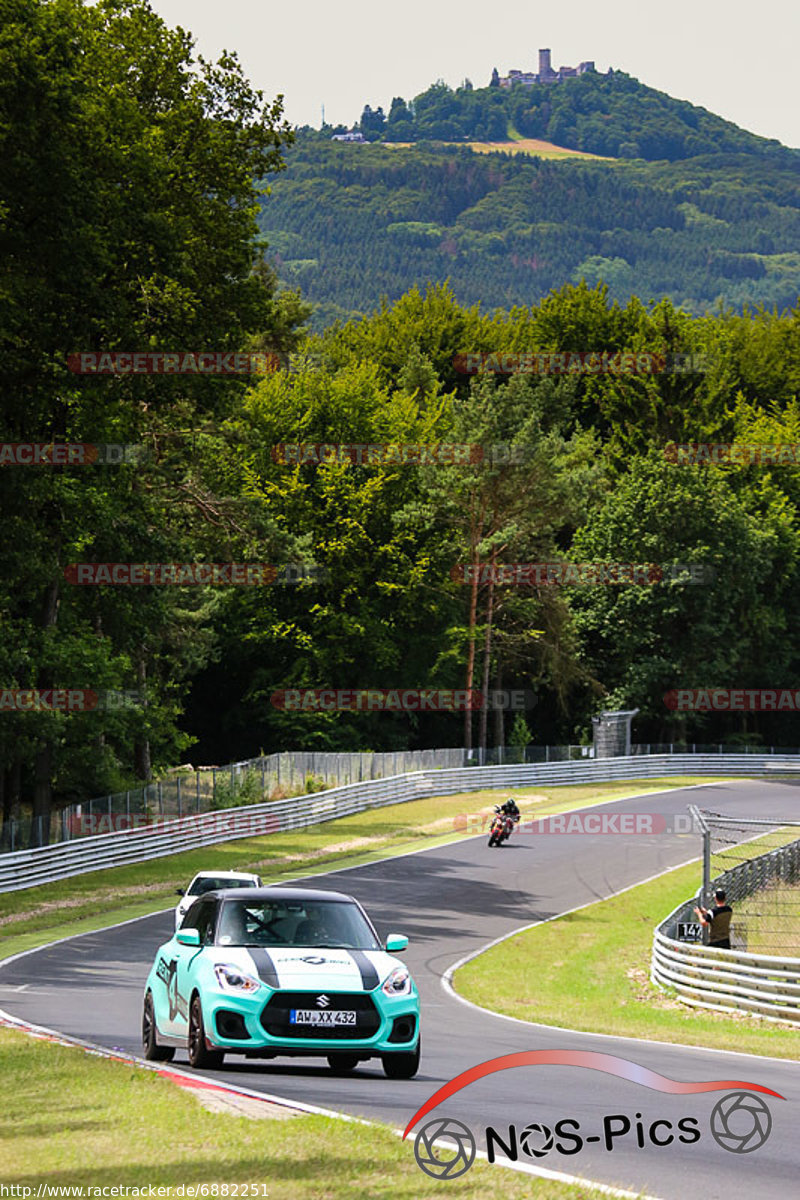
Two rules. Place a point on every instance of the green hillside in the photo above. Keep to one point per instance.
(348, 224)
(612, 114)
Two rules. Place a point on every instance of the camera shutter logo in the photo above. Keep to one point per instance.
(741, 1122)
(536, 1140)
(436, 1164)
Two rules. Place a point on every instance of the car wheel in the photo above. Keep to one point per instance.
(402, 1065)
(199, 1053)
(152, 1051)
(343, 1064)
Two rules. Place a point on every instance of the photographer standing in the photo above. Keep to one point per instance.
(718, 920)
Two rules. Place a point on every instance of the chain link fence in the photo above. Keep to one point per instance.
(757, 863)
(186, 791)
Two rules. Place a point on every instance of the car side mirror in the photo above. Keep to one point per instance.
(396, 942)
(188, 937)
(180, 892)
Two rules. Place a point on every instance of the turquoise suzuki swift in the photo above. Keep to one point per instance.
(276, 971)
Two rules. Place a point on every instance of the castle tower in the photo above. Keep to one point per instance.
(545, 70)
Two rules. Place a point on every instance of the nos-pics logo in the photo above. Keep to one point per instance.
(446, 1148)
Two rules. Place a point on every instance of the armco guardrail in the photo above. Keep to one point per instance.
(186, 791)
(765, 985)
(26, 868)
(729, 980)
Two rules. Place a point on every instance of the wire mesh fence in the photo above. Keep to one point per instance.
(757, 864)
(185, 791)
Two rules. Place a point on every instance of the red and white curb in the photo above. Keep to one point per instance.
(184, 1079)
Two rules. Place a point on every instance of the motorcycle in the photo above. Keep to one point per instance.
(502, 827)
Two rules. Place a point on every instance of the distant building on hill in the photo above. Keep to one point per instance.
(545, 74)
(352, 135)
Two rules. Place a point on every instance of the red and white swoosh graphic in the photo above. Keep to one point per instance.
(623, 1068)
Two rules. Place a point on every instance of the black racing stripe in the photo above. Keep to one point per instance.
(267, 972)
(369, 976)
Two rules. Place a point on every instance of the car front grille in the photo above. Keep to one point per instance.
(275, 1015)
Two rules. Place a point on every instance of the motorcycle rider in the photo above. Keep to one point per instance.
(509, 813)
(510, 809)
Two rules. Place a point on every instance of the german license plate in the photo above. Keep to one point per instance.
(312, 1016)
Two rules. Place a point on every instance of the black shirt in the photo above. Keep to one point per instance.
(719, 918)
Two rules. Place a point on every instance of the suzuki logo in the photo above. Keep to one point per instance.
(323, 1001)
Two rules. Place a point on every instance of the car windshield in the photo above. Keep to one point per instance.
(214, 883)
(334, 923)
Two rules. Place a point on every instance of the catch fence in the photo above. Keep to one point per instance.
(186, 791)
(44, 864)
(756, 862)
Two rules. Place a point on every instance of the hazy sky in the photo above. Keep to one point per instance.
(735, 57)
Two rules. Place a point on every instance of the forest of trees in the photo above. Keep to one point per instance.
(153, 245)
(613, 115)
(350, 223)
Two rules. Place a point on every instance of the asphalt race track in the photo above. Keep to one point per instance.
(451, 901)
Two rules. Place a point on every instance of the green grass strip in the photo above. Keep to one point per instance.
(590, 969)
(71, 1119)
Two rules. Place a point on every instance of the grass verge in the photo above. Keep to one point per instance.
(772, 919)
(71, 1120)
(590, 970)
(34, 916)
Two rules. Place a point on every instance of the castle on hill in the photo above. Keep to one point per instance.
(545, 74)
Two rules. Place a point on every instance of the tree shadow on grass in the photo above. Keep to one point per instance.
(340, 1174)
(32, 1129)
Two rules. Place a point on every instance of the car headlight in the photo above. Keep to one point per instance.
(234, 980)
(398, 983)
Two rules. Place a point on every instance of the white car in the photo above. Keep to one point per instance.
(212, 881)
